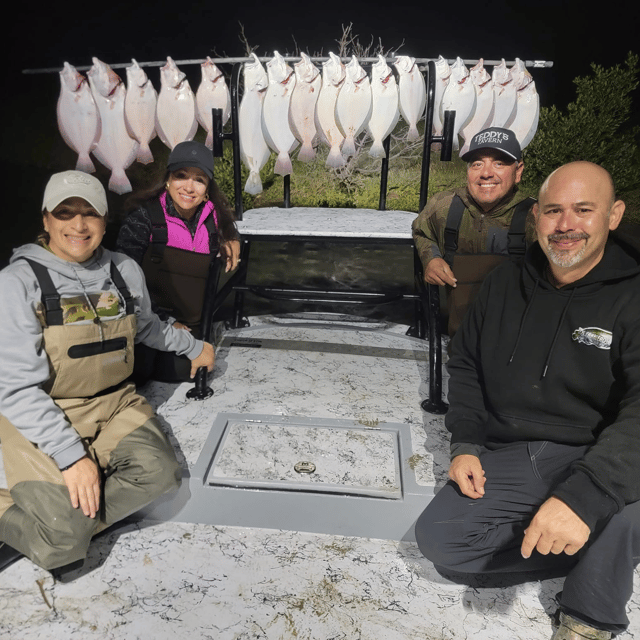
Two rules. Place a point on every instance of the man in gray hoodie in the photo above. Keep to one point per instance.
(81, 448)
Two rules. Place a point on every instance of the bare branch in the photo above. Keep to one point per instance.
(243, 39)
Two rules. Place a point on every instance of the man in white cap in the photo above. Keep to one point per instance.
(461, 235)
(81, 448)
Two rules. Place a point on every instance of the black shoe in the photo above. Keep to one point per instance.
(8, 555)
(68, 572)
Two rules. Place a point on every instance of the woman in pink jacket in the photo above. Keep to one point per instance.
(174, 231)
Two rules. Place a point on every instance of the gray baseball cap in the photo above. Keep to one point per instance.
(75, 184)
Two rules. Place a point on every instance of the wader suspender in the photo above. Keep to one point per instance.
(516, 239)
(51, 297)
(159, 234)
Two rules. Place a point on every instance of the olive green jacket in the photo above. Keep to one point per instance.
(480, 231)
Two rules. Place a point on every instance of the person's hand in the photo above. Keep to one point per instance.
(438, 272)
(555, 528)
(179, 325)
(207, 358)
(466, 471)
(231, 251)
(83, 481)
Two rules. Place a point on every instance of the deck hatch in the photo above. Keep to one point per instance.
(352, 460)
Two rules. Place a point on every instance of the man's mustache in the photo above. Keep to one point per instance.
(555, 237)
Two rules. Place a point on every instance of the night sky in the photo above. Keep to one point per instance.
(564, 32)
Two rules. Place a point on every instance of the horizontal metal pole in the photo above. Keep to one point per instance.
(538, 64)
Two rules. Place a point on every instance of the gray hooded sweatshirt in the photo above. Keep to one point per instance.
(24, 366)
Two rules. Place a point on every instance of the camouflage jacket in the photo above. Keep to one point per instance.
(480, 231)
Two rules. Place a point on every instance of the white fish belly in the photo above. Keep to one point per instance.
(412, 96)
(253, 147)
(176, 115)
(212, 96)
(525, 123)
(79, 124)
(115, 148)
(504, 104)
(276, 129)
(353, 110)
(327, 126)
(140, 118)
(302, 117)
(482, 116)
(460, 98)
(384, 117)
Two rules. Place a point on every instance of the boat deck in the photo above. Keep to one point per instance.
(304, 579)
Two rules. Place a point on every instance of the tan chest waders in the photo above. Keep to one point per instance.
(89, 364)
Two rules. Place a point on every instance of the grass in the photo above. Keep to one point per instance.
(314, 184)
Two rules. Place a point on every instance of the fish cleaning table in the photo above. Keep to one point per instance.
(302, 474)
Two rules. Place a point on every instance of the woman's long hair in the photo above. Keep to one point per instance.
(226, 220)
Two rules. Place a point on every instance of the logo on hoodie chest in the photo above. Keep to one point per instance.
(593, 336)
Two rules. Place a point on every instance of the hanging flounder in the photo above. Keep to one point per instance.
(412, 92)
(525, 121)
(115, 149)
(483, 113)
(303, 106)
(443, 74)
(212, 93)
(275, 113)
(385, 112)
(459, 96)
(354, 105)
(176, 112)
(253, 147)
(333, 75)
(78, 118)
(504, 90)
(140, 110)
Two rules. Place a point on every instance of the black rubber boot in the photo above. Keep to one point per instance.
(8, 555)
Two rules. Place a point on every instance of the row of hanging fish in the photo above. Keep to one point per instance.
(506, 98)
(283, 108)
(98, 115)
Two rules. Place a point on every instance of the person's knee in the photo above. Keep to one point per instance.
(147, 459)
(433, 540)
(45, 527)
(455, 533)
(57, 548)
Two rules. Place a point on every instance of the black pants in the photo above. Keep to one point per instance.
(484, 535)
(165, 366)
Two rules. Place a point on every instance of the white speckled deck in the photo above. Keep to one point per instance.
(149, 580)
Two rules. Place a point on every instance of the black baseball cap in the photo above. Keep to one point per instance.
(497, 138)
(191, 154)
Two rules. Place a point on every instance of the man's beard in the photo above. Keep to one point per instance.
(563, 258)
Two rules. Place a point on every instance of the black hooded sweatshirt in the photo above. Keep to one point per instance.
(532, 362)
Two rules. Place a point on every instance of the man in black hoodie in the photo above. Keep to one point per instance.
(545, 411)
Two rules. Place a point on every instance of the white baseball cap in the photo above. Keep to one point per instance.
(75, 184)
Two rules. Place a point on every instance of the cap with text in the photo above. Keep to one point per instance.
(497, 138)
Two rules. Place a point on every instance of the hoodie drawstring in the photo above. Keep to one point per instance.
(524, 317)
(555, 337)
(557, 333)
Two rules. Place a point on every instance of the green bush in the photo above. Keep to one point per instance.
(596, 127)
